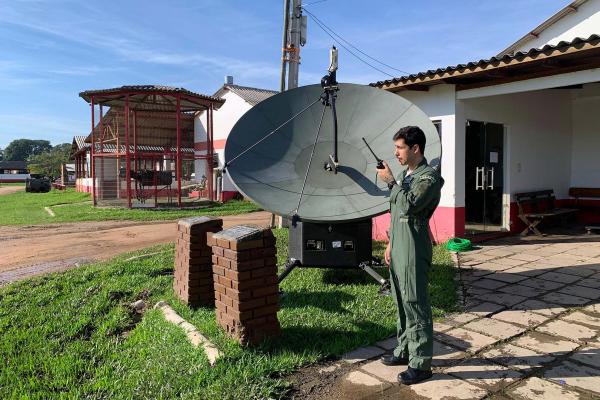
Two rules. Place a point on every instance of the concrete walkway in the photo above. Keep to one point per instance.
(529, 330)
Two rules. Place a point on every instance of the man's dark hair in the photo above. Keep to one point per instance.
(412, 135)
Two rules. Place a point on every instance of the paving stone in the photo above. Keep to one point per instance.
(388, 344)
(584, 319)
(509, 261)
(521, 317)
(460, 318)
(474, 291)
(466, 340)
(544, 343)
(521, 290)
(593, 308)
(444, 354)
(524, 270)
(540, 307)
(565, 299)
(577, 270)
(384, 372)
(485, 309)
(545, 251)
(443, 387)
(495, 328)
(586, 251)
(575, 375)
(541, 284)
(504, 299)
(484, 373)
(506, 277)
(589, 354)
(562, 260)
(536, 389)
(581, 291)
(500, 252)
(517, 357)
(567, 330)
(481, 272)
(589, 282)
(525, 256)
(362, 353)
(558, 277)
(490, 284)
(491, 266)
(441, 327)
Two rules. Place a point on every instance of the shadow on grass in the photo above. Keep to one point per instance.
(326, 301)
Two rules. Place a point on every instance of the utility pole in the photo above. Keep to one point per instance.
(297, 39)
(284, 43)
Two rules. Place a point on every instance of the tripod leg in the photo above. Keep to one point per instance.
(289, 267)
(384, 289)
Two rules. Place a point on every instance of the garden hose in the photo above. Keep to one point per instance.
(458, 244)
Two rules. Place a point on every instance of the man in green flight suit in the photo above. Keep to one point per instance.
(412, 202)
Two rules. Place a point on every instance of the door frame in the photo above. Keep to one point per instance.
(506, 196)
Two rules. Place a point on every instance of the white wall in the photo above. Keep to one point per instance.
(439, 104)
(539, 136)
(585, 164)
(581, 23)
(224, 119)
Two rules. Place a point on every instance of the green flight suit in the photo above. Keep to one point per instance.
(412, 203)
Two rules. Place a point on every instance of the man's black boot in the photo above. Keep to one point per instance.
(390, 359)
(412, 376)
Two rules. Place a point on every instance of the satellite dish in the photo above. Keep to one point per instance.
(269, 150)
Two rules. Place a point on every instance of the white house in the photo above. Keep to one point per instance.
(238, 100)
(527, 119)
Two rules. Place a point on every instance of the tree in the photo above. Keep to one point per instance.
(21, 149)
(50, 162)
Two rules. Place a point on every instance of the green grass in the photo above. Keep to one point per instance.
(12, 184)
(71, 335)
(28, 209)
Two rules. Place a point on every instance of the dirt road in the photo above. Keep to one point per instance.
(50, 247)
(10, 189)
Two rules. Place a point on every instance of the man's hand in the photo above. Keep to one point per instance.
(385, 174)
(387, 256)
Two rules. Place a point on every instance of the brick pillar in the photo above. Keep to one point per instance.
(193, 282)
(246, 286)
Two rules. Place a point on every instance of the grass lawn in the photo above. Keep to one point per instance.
(71, 335)
(12, 184)
(28, 209)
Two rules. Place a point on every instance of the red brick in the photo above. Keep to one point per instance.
(220, 288)
(218, 270)
(265, 291)
(272, 299)
(269, 309)
(224, 281)
(250, 244)
(215, 259)
(210, 240)
(237, 275)
(250, 284)
(224, 262)
(246, 265)
(218, 251)
(237, 295)
(268, 233)
(239, 315)
(224, 243)
(251, 304)
(221, 306)
(264, 271)
(270, 241)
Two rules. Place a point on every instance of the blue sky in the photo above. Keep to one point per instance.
(53, 49)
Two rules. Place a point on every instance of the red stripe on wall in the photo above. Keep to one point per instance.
(217, 145)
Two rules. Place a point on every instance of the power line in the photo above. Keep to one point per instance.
(338, 38)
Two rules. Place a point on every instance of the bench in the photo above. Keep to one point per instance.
(579, 193)
(535, 207)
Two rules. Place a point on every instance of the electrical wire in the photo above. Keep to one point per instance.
(339, 39)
